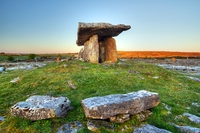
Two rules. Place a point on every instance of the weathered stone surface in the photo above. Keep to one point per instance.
(112, 105)
(103, 30)
(41, 107)
(2, 69)
(80, 54)
(110, 49)
(2, 118)
(187, 129)
(192, 118)
(102, 52)
(91, 50)
(121, 118)
(149, 129)
(95, 125)
(72, 127)
(142, 116)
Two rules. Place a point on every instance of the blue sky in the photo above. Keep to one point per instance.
(50, 26)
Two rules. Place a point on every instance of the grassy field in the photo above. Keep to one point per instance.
(91, 80)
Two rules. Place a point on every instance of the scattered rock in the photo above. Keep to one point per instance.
(188, 108)
(155, 77)
(2, 118)
(133, 72)
(193, 78)
(26, 66)
(95, 125)
(141, 77)
(41, 107)
(72, 127)
(149, 129)
(2, 69)
(196, 104)
(71, 85)
(112, 105)
(124, 60)
(187, 129)
(65, 65)
(121, 64)
(192, 118)
(168, 108)
(15, 80)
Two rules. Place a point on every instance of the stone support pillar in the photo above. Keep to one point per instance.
(110, 49)
(91, 50)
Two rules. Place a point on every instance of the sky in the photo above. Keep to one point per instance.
(50, 26)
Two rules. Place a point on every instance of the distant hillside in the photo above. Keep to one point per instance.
(156, 54)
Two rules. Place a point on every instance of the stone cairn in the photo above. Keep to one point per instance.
(99, 46)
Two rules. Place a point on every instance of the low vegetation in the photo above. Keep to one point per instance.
(92, 80)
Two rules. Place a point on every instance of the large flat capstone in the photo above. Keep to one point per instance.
(112, 105)
(41, 107)
(103, 30)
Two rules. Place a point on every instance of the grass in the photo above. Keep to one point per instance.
(96, 80)
(4, 58)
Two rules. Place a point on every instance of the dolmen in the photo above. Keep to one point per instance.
(41, 107)
(99, 46)
(121, 106)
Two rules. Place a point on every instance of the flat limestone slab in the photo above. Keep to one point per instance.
(112, 105)
(41, 107)
(103, 30)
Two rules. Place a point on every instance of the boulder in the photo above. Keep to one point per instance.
(111, 105)
(41, 107)
(103, 30)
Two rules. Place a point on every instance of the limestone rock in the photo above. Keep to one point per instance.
(103, 30)
(112, 105)
(187, 129)
(91, 50)
(71, 85)
(41, 107)
(192, 118)
(149, 129)
(2, 69)
(2, 118)
(80, 54)
(94, 125)
(110, 49)
(120, 118)
(142, 116)
(72, 127)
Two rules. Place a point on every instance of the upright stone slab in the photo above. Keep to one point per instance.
(91, 50)
(112, 105)
(110, 49)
